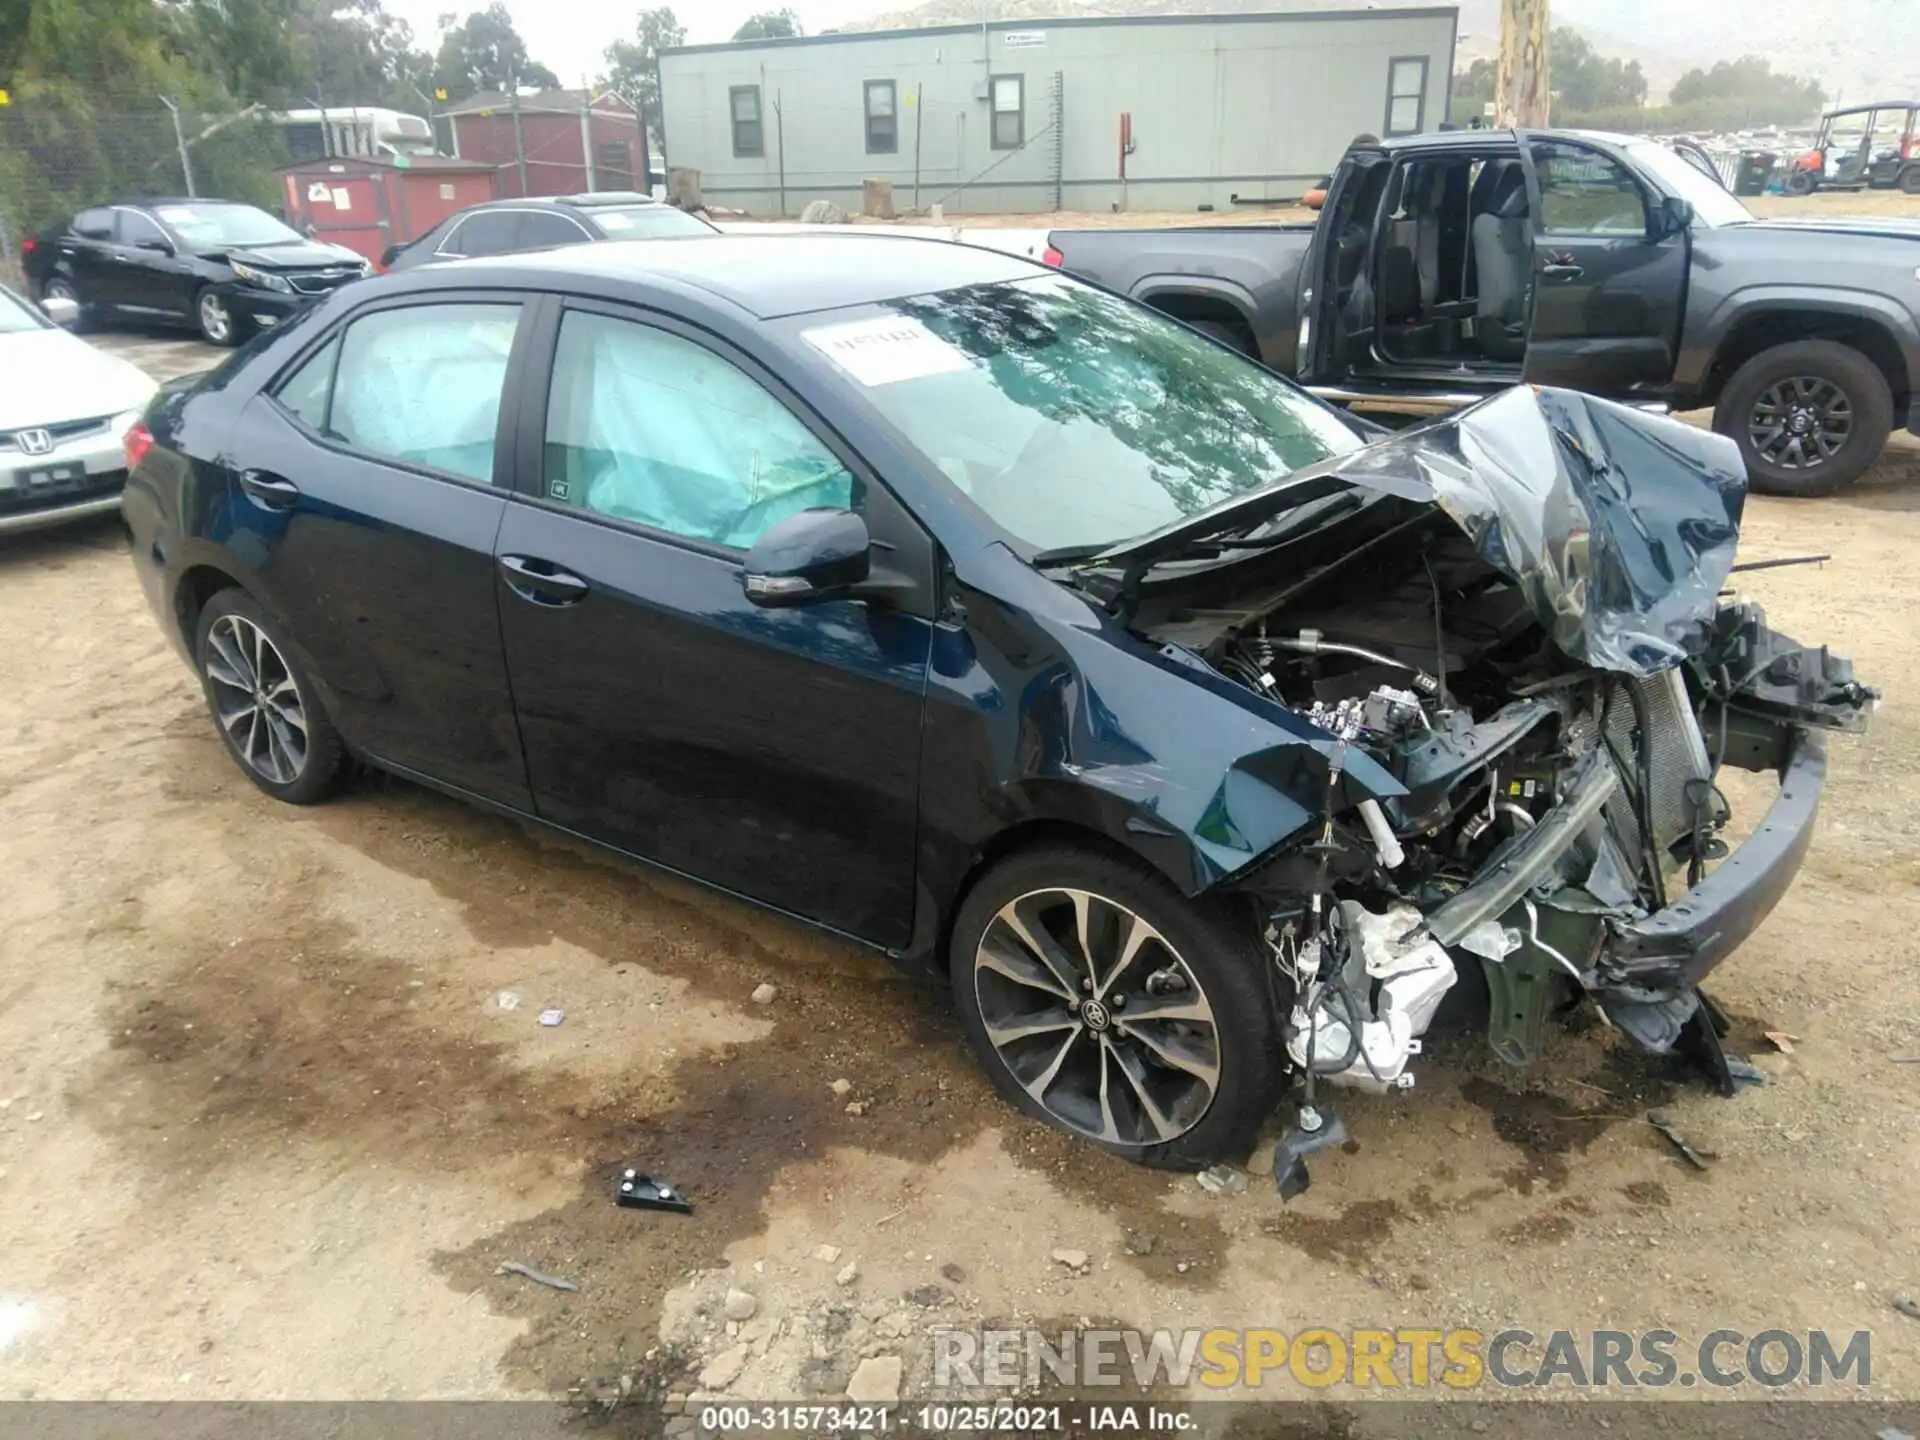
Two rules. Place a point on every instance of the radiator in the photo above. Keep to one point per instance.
(1676, 750)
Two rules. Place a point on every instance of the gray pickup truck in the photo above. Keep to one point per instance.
(1444, 267)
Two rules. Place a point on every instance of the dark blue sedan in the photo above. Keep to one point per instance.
(982, 616)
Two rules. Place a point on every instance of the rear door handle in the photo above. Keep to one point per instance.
(1562, 268)
(541, 582)
(269, 491)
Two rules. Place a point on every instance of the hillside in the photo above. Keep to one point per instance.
(1857, 49)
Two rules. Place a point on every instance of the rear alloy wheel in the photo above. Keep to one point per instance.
(1809, 417)
(1103, 1002)
(218, 324)
(266, 709)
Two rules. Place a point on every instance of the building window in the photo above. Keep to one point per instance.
(883, 127)
(1009, 112)
(748, 137)
(1406, 95)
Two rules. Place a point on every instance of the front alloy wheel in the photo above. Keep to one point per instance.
(1097, 1017)
(256, 700)
(1800, 422)
(216, 318)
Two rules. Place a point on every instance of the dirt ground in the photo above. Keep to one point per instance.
(275, 1104)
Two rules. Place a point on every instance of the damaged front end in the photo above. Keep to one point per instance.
(1516, 614)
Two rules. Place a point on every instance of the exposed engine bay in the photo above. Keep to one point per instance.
(1550, 679)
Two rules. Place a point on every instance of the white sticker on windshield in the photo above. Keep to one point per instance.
(614, 220)
(175, 214)
(883, 352)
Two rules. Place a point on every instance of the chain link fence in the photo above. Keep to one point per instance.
(64, 147)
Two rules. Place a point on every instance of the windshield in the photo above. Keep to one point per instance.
(1073, 417)
(223, 227)
(644, 221)
(1711, 204)
(16, 315)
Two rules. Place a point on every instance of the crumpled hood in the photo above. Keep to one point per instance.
(1619, 526)
(305, 255)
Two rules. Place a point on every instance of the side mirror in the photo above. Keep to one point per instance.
(813, 556)
(1671, 217)
(160, 247)
(61, 311)
(387, 256)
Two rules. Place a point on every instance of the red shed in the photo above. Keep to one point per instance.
(572, 141)
(367, 202)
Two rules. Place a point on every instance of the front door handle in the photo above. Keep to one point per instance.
(269, 491)
(1554, 271)
(541, 582)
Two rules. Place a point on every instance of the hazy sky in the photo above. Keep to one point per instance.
(567, 36)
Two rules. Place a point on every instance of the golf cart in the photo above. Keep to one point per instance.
(1863, 147)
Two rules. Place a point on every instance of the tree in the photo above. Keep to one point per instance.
(1585, 81)
(485, 52)
(770, 25)
(1523, 85)
(634, 72)
(1746, 91)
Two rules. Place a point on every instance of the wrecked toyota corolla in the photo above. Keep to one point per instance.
(1203, 735)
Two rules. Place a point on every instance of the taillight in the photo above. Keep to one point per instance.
(1051, 256)
(138, 442)
(28, 245)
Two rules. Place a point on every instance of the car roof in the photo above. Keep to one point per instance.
(1472, 139)
(626, 199)
(774, 275)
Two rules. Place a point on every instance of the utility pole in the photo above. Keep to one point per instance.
(519, 139)
(1523, 89)
(180, 139)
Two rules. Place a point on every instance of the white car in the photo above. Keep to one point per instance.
(65, 409)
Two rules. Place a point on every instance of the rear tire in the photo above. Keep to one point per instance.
(1179, 1091)
(1809, 417)
(61, 288)
(264, 702)
(1910, 180)
(1801, 182)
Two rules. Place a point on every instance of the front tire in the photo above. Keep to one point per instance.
(1103, 1002)
(264, 702)
(1809, 417)
(215, 319)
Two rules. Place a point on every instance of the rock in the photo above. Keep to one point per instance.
(1479, 1427)
(681, 1425)
(876, 1381)
(740, 1305)
(724, 1368)
(1139, 1242)
(763, 994)
(822, 212)
(856, 1107)
(828, 1253)
(953, 1272)
(875, 1308)
(1261, 1161)
(1222, 1180)
(842, 1086)
(893, 1326)
(849, 1274)
(1460, 1127)
(927, 1297)
(1072, 1259)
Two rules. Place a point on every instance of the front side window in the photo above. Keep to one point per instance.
(422, 385)
(883, 128)
(1009, 112)
(486, 232)
(541, 230)
(1406, 95)
(137, 229)
(1583, 192)
(1070, 416)
(646, 426)
(749, 138)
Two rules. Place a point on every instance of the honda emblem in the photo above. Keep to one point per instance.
(34, 442)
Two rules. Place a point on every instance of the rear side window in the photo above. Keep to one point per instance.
(422, 385)
(94, 224)
(539, 229)
(646, 426)
(137, 229)
(491, 232)
(304, 394)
